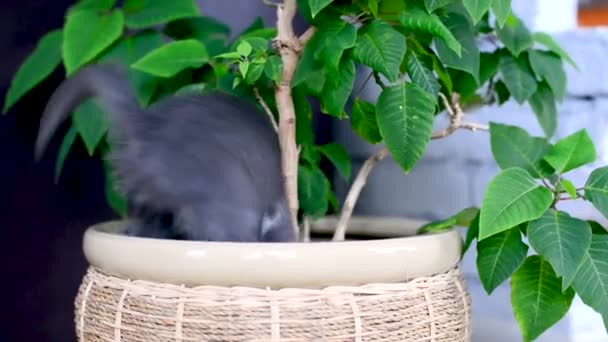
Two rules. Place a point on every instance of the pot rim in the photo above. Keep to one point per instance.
(277, 265)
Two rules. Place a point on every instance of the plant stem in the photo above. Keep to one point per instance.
(289, 48)
(456, 116)
(378, 80)
(305, 229)
(355, 190)
(358, 92)
(266, 109)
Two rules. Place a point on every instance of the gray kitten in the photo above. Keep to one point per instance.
(193, 167)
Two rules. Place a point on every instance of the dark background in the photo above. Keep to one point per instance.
(42, 223)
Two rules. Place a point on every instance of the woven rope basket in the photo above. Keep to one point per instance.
(430, 309)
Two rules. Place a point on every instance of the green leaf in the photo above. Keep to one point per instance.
(208, 30)
(501, 9)
(335, 36)
(512, 146)
(466, 216)
(258, 39)
(421, 75)
(405, 115)
(477, 8)
(465, 85)
(115, 200)
(338, 156)
(432, 5)
(380, 47)
(244, 48)
(515, 36)
(548, 66)
(333, 201)
(499, 256)
(437, 226)
(173, 57)
(548, 41)
(237, 80)
(468, 61)
(87, 34)
(243, 68)
(488, 66)
(596, 189)
(91, 124)
(127, 51)
(572, 152)
(256, 24)
(317, 6)
(569, 187)
(472, 234)
(591, 280)
(146, 13)
(304, 131)
(562, 240)
(273, 68)
(543, 105)
(233, 55)
(309, 72)
(93, 5)
(64, 149)
(462, 218)
(373, 7)
(337, 89)
(312, 188)
(37, 66)
(418, 20)
(254, 73)
(518, 77)
(363, 121)
(511, 198)
(442, 73)
(502, 92)
(537, 299)
(194, 88)
(310, 154)
(597, 228)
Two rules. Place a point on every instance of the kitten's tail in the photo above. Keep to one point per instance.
(106, 82)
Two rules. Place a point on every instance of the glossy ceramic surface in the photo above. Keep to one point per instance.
(277, 265)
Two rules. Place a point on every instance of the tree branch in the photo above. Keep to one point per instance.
(305, 229)
(456, 114)
(355, 190)
(305, 37)
(266, 109)
(288, 46)
(270, 3)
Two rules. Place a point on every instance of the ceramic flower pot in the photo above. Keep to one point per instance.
(400, 288)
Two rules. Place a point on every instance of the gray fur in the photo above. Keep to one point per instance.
(194, 167)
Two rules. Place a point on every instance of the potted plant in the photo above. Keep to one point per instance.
(431, 57)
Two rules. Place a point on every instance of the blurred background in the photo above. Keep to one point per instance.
(43, 223)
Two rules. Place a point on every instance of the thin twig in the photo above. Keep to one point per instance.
(262, 103)
(379, 80)
(271, 3)
(305, 37)
(456, 114)
(355, 190)
(358, 92)
(446, 104)
(306, 229)
(547, 184)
